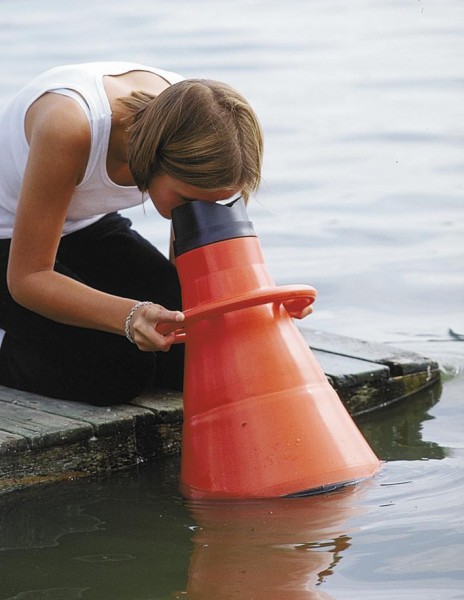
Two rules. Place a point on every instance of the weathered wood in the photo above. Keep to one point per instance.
(100, 420)
(165, 436)
(44, 439)
(399, 361)
(368, 376)
(41, 429)
(10, 443)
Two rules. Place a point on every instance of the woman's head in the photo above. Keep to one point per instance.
(200, 132)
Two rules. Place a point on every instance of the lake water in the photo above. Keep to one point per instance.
(362, 105)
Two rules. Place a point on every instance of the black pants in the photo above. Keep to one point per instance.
(72, 363)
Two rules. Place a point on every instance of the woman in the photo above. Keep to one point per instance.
(81, 292)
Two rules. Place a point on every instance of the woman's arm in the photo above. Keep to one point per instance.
(59, 138)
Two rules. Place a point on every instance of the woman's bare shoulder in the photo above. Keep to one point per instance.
(55, 116)
(58, 133)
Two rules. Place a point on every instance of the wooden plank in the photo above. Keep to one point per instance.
(166, 404)
(155, 419)
(102, 419)
(352, 371)
(399, 361)
(43, 438)
(11, 442)
(365, 386)
(165, 437)
(40, 429)
(73, 460)
(408, 372)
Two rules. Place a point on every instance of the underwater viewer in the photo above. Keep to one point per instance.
(81, 292)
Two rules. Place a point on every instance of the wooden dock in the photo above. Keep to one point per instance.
(44, 440)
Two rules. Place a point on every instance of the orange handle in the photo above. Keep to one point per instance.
(260, 296)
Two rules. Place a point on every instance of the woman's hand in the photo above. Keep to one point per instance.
(299, 307)
(143, 327)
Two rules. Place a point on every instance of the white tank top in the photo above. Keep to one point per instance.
(96, 195)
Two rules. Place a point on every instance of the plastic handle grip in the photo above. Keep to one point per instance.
(261, 296)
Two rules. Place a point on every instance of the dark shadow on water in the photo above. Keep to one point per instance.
(395, 432)
(123, 536)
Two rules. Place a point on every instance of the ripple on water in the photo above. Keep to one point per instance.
(411, 535)
(105, 558)
(61, 593)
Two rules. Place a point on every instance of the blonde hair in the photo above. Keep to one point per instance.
(198, 131)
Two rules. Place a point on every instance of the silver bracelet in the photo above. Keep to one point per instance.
(133, 310)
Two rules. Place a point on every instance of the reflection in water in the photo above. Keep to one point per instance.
(395, 433)
(280, 548)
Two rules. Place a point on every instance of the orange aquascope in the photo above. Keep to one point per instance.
(260, 417)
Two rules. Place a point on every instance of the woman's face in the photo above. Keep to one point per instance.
(168, 193)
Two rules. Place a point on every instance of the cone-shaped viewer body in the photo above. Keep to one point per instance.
(260, 417)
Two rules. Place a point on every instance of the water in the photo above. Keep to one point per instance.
(362, 107)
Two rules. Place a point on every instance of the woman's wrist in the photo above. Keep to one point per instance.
(130, 316)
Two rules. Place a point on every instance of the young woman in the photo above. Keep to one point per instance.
(81, 293)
